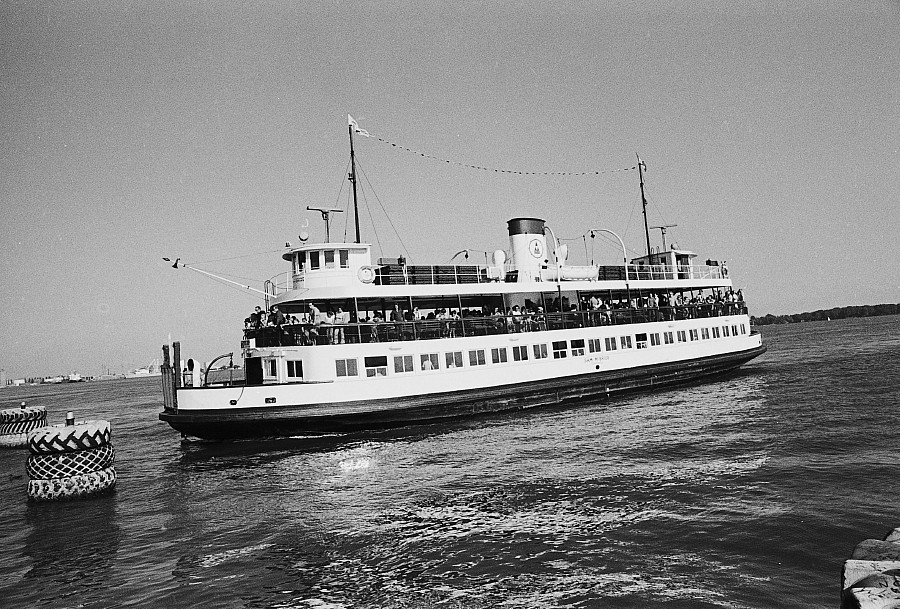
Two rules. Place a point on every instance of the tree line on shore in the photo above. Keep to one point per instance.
(826, 314)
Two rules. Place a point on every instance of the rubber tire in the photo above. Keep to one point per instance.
(14, 440)
(69, 438)
(13, 415)
(22, 426)
(83, 485)
(66, 465)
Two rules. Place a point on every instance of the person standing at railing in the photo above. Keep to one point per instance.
(340, 318)
(276, 320)
(396, 313)
(313, 314)
(328, 327)
(256, 318)
(516, 319)
(455, 321)
(276, 317)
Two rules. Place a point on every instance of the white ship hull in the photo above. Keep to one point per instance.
(333, 405)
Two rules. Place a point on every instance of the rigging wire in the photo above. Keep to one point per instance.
(234, 287)
(229, 275)
(372, 220)
(365, 133)
(391, 222)
(233, 257)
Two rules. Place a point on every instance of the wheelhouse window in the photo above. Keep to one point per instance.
(540, 351)
(346, 367)
(499, 355)
(329, 259)
(344, 256)
(641, 340)
(429, 361)
(577, 345)
(403, 363)
(376, 366)
(559, 349)
(520, 353)
(454, 359)
(270, 366)
(611, 343)
(314, 261)
(476, 358)
(294, 369)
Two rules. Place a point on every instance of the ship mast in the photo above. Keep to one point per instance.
(641, 168)
(352, 178)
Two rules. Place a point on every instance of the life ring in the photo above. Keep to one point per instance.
(69, 438)
(65, 465)
(81, 485)
(366, 274)
(12, 415)
(21, 426)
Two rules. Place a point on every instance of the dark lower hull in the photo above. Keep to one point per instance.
(282, 421)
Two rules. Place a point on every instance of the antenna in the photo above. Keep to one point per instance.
(663, 231)
(326, 213)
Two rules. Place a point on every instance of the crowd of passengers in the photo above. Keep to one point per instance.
(329, 327)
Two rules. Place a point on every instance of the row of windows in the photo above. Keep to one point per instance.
(324, 259)
(378, 365)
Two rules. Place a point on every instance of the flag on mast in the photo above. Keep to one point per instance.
(356, 128)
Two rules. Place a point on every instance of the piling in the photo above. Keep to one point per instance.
(16, 423)
(71, 460)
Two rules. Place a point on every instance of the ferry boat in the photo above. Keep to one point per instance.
(381, 343)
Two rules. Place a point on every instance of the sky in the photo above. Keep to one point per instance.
(134, 131)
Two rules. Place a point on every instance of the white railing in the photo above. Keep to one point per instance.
(459, 274)
(664, 271)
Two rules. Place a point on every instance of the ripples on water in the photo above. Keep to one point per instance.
(748, 492)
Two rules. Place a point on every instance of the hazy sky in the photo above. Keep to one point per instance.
(137, 130)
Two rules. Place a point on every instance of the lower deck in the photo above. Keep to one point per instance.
(296, 390)
(282, 420)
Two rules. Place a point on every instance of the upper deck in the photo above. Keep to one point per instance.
(324, 270)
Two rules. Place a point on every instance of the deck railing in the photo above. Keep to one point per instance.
(397, 274)
(428, 329)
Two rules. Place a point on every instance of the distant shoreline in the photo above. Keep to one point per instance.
(828, 314)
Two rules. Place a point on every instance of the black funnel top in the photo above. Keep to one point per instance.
(525, 226)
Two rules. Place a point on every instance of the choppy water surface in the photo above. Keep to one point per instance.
(748, 492)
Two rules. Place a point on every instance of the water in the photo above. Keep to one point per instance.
(748, 492)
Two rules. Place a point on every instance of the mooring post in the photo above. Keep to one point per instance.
(176, 356)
